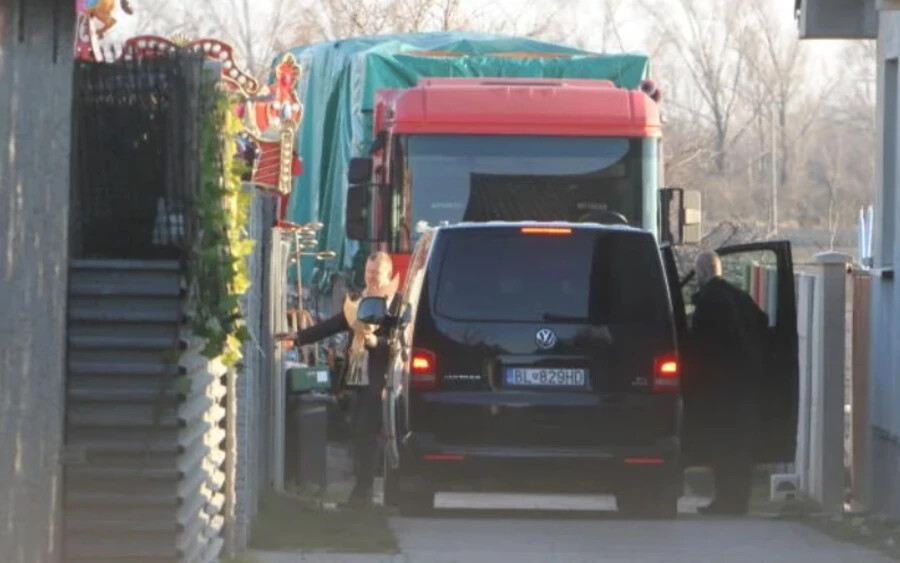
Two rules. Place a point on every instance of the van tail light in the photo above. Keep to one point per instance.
(423, 370)
(666, 374)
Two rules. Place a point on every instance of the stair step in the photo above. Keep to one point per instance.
(127, 473)
(90, 314)
(113, 419)
(124, 288)
(93, 395)
(117, 547)
(124, 342)
(112, 265)
(121, 521)
(120, 500)
(77, 367)
(127, 447)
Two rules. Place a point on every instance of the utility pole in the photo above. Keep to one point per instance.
(774, 173)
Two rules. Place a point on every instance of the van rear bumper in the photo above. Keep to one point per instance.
(538, 468)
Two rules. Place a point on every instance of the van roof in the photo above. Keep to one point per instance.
(519, 224)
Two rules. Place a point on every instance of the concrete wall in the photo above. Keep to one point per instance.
(35, 102)
(885, 326)
(830, 19)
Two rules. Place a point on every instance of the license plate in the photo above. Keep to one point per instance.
(545, 377)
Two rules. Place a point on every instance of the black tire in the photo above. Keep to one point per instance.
(653, 501)
(408, 497)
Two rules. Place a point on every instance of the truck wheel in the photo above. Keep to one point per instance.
(655, 501)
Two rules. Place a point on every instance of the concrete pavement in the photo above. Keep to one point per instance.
(480, 533)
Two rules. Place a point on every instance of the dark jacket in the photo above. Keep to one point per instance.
(727, 346)
(378, 356)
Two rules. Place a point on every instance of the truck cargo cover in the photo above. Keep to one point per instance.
(337, 87)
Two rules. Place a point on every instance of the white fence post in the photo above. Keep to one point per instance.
(827, 397)
(805, 289)
(278, 271)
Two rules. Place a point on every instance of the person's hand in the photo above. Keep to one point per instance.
(371, 341)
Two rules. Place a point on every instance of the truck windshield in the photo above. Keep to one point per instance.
(508, 178)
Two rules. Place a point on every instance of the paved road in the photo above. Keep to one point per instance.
(587, 530)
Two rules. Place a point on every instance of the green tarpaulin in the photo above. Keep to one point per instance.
(338, 84)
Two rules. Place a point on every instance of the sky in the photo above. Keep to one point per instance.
(580, 15)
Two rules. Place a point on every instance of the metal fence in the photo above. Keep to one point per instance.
(254, 381)
(133, 180)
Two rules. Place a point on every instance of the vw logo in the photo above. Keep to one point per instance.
(545, 338)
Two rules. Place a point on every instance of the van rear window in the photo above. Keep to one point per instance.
(588, 277)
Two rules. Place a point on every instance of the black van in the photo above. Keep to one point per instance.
(538, 357)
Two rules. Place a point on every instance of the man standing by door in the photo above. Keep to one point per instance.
(365, 373)
(727, 353)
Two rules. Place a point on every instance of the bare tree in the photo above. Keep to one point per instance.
(855, 107)
(255, 32)
(708, 39)
(831, 177)
(337, 19)
(778, 87)
(532, 19)
(841, 170)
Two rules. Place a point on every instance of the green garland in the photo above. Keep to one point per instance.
(219, 269)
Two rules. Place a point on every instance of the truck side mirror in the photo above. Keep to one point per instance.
(359, 171)
(680, 216)
(372, 310)
(691, 217)
(357, 218)
(669, 213)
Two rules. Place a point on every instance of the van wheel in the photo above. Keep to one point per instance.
(654, 501)
(407, 496)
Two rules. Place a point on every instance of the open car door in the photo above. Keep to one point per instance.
(671, 267)
(765, 270)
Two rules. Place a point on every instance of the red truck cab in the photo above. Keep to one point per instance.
(481, 149)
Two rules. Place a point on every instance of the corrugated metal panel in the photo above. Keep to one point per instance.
(145, 457)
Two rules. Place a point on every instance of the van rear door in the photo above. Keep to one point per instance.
(540, 336)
